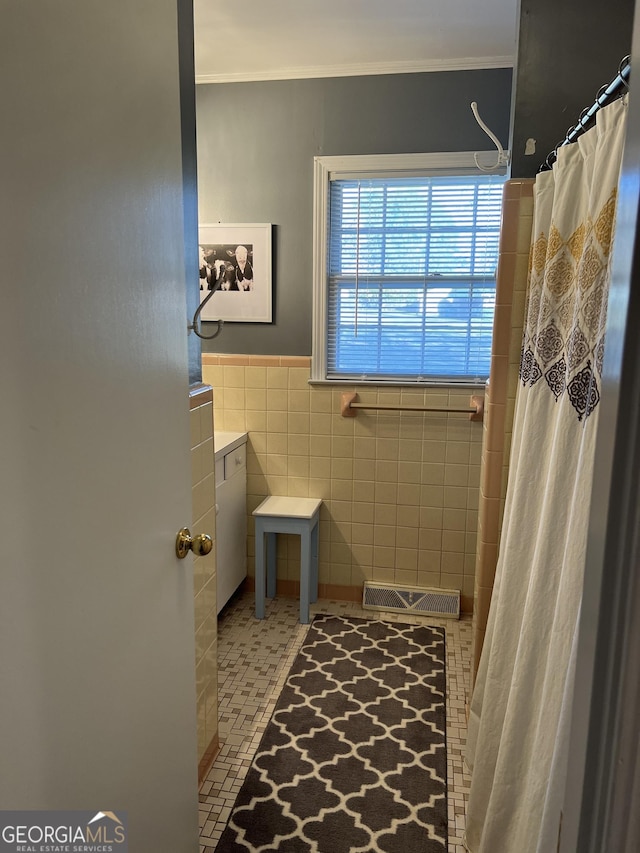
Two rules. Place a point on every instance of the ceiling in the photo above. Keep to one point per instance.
(239, 40)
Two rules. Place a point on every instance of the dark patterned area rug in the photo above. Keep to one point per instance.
(354, 757)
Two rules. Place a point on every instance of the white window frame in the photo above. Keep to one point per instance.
(326, 169)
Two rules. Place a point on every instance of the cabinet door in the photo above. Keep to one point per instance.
(231, 537)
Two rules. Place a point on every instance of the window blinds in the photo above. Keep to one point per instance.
(411, 277)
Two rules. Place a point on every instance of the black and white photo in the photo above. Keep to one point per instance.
(235, 262)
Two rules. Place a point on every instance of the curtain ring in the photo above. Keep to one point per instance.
(624, 64)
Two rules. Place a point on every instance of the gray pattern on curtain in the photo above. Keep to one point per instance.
(566, 309)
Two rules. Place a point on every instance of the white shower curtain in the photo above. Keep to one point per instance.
(518, 726)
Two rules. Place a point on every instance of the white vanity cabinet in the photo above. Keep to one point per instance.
(231, 512)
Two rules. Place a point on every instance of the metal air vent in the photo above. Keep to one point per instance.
(428, 602)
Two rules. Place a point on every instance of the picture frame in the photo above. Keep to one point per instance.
(236, 258)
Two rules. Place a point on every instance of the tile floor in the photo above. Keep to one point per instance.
(254, 658)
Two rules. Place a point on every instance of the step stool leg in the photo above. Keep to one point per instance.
(259, 570)
(305, 574)
(314, 563)
(271, 565)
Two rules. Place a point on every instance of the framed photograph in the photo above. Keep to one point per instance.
(236, 259)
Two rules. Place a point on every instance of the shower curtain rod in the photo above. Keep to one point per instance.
(606, 94)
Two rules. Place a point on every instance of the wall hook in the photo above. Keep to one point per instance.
(195, 325)
(503, 156)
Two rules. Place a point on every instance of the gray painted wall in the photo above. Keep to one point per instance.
(566, 51)
(256, 144)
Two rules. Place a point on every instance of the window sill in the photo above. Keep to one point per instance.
(396, 383)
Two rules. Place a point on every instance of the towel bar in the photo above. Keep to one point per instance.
(350, 403)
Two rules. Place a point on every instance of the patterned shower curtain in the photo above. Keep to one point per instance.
(518, 726)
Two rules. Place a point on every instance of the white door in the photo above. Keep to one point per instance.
(97, 687)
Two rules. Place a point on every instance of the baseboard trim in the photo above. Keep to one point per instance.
(291, 589)
(337, 592)
(210, 754)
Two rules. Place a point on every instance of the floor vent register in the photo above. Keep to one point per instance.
(425, 601)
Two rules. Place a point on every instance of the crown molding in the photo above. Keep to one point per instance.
(473, 63)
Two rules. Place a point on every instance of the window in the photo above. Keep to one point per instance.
(406, 249)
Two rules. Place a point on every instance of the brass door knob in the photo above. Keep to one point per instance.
(185, 542)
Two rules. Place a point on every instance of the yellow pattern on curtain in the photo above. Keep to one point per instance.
(566, 310)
